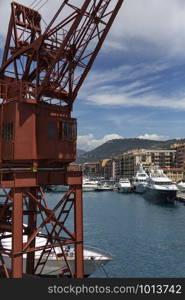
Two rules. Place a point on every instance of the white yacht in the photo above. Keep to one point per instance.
(105, 185)
(140, 180)
(124, 185)
(160, 188)
(93, 259)
(181, 185)
(89, 185)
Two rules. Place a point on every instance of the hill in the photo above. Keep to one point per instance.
(118, 146)
(80, 152)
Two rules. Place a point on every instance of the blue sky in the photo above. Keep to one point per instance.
(136, 88)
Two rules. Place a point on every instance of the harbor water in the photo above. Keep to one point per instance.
(145, 239)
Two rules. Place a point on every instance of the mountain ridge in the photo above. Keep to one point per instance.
(115, 147)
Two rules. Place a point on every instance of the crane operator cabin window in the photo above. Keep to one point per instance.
(7, 131)
(67, 131)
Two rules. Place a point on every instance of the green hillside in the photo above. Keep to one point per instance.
(118, 146)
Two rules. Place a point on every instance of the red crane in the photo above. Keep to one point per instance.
(41, 73)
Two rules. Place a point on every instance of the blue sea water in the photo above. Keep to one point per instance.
(145, 239)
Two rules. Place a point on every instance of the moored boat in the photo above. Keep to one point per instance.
(181, 185)
(105, 185)
(89, 185)
(55, 263)
(160, 188)
(124, 185)
(140, 180)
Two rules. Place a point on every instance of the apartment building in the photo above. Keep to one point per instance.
(91, 169)
(128, 163)
(180, 156)
(175, 174)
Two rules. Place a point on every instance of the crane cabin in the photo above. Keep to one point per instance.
(37, 132)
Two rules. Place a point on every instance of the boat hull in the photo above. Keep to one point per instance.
(54, 267)
(160, 196)
(103, 189)
(140, 189)
(88, 189)
(124, 189)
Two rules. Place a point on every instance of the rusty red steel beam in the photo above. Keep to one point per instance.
(17, 236)
(78, 221)
(70, 53)
(62, 48)
(35, 249)
(32, 224)
(99, 45)
(65, 200)
(57, 232)
(12, 29)
(4, 267)
(18, 255)
(49, 218)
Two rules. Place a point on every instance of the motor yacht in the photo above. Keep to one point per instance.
(105, 185)
(160, 188)
(89, 185)
(140, 180)
(124, 185)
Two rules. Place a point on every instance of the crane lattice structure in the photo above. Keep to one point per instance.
(41, 73)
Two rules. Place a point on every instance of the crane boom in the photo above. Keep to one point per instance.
(53, 63)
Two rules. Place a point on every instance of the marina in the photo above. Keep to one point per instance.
(145, 239)
(117, 210)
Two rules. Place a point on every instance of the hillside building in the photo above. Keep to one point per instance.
(128, 163)
(91, 169)
(176, 174)
(180, 156)
(107, 168)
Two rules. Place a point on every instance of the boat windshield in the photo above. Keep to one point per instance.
(163, 183)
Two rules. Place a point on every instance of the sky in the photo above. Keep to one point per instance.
(136, 87)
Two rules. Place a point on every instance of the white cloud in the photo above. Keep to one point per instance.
(89, 142)
(125, 72)
(154, 137)
(147, 100)
(156, 22)
(128, 86)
